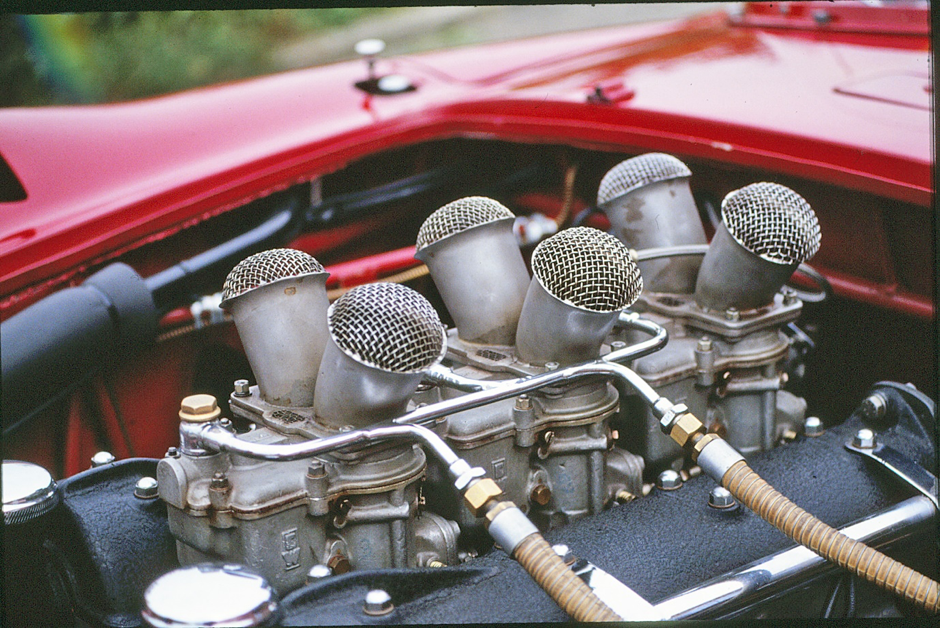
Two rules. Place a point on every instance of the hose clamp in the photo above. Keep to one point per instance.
(509, 527)
(716, 456)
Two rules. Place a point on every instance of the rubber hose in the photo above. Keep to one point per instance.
(828, 542)
(564, 586)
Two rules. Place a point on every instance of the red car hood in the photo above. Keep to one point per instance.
(848, 108)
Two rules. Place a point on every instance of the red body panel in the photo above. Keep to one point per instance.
(103, 179)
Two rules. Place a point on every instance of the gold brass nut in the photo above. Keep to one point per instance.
(495, 510)
(684, 428)
(199, 409)
(479, 493)
(338, 564)
(700, 444)
(541, 495)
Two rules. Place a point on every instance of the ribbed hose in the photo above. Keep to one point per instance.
(555, 577)
(828, 542)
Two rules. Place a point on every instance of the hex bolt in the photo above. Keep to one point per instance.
(378, 602)
(874, 407)
(732, 314)
(813, 426)
(617, 345)
(721, 498)
(668, 480)
(704, 344)
(241, 388)
(789, 295)
(551, 366)
(338, 564)
(173, 452)
(864, 439)
(219, 481)
(541, 495)
(318, 571)
(523, 402)
(316, 469)
(102, 458)
(199, 409)
(146, 488)
(226, 424)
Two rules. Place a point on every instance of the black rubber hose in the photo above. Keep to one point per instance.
(54, 343)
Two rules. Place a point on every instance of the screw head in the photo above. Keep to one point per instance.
(241, 388)
(146, 488)
(102, 458)
(864, 439)
(813, 426)
(378, 602)
(669, 480)
(874, 407)
(721, 498)
(318, 571)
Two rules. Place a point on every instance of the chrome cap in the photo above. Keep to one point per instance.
(209, 595)
(28, 492)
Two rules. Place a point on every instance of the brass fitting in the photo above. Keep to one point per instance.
(541, 495)
(479, 493)
(495, 510)
(338, 564)
(685, 427)
(700, 444)
(199, 409)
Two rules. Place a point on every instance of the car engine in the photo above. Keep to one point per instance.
(396, 455)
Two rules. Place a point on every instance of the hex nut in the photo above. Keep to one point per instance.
(813, 426)
(241, 388)
(874, 407)
(684, 427)
(721, 498)
(146, 488)
(378, 602)
(864, 439)
(338, 564)
(199, 409)
(668, 480)
(102, 458)
(700, 444)
(479, 493)
(541, 495)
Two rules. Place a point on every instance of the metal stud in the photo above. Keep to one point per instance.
(378, 602)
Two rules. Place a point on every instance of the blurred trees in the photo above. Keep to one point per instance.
(106, 57)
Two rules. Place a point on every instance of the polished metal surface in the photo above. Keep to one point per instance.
(378, 602)
(721, 498)
(668, 480)
(209, 595)
(900, 465)
(863, 439)
(28, 492)
(813, 426)
(146, 488)
(102, 458)
(619, 597)
(761, 579)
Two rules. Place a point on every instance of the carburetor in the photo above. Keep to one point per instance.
(553, 451)
(725, 313)
(319, 373)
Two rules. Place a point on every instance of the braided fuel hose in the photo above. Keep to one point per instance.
(828, 542)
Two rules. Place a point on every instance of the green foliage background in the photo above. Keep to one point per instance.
(106, 57)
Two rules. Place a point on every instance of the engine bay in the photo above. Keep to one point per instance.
(368, 401)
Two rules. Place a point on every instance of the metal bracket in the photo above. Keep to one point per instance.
(619, 597)
(901, 466)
